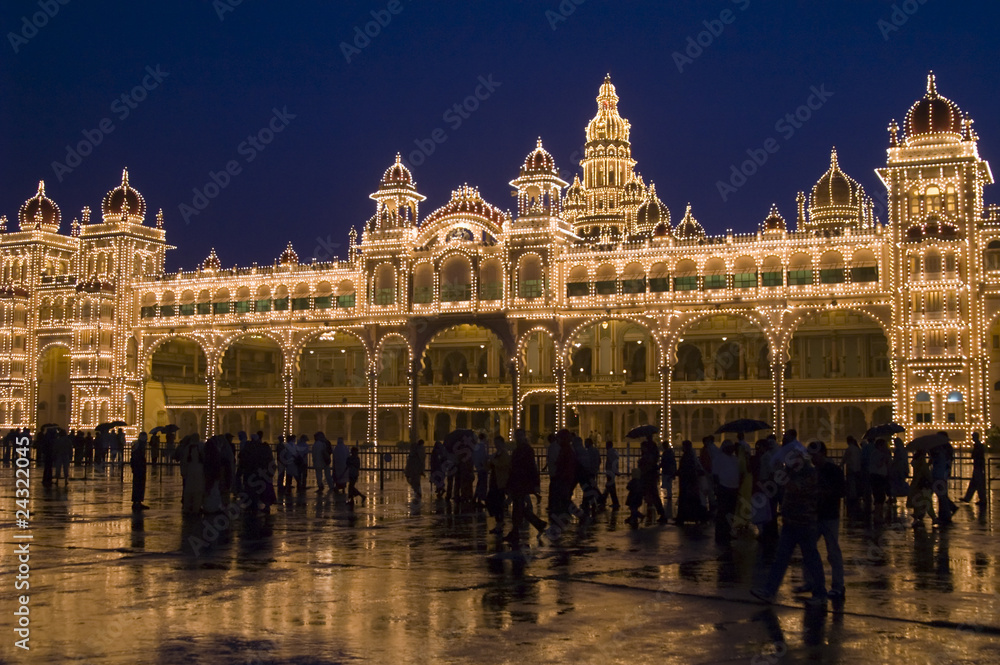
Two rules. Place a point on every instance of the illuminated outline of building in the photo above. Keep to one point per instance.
(587, 309)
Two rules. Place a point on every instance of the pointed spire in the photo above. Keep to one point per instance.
(125, 178)
(3, 223)
(75, 228)
(85, 213)
(833, 159)
(159, 219)
(931, 84)
(41, 188)
(211, 262)
(893, 133)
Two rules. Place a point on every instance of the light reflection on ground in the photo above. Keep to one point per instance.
(398, 582)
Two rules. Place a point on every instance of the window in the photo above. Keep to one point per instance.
(263, 305)
(531, 288)
(423, 294)
(149, 312)
(633, 286)
(922, 408)
(659, 284)
(745, 280)
(280, 304)
(688, 283)
(204, 308)
(606, 287)
(864, 274)
(346, 301)
(220, 308)
(490, 290)
(300, 303)
(242, 307)
(800, 277)
(715, 281)
(454, 293)
(577, 289)
(168, 310)
(831, 276)
(771, 279)
(187, 310)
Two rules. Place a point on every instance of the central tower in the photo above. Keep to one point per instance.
(603, 206)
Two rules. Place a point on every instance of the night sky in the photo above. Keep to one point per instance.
(222, 70)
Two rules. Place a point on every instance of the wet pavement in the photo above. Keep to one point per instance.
(398, 582)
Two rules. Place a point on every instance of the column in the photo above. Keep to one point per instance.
(414, 414)
(371, 435)
(288, 406)
(778, 378)
(560, 372)
(666, 433)
(212, 414)
(515, 418)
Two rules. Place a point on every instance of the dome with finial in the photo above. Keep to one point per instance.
(934, 116)
(467, 200)
(289, 257)
(124, 201)
(835, 192)
(634, 192)
(397, 174)
(651, 213)
(574, 195)
(774, 223)
(689, 226)
(40, 212)
(211, 262)
(539, 161)
(608, 124)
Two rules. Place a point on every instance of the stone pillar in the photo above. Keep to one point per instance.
(371, 435)
(778, 380)
(666, 426)
(414, 414)
(515, 418)
(212, 414)
(288, 410)
(560, 372)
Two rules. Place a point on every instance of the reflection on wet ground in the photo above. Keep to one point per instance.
(395, 581)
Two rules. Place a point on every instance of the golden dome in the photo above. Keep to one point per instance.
(689, 226)
(124, 200)
(608, 124)
(40, 212)
(397, 174)
(467, 200)
(774, 221)
(651, 213)
(835, 189)
(539, 161)
(934, 116)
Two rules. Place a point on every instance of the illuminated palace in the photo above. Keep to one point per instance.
(589, 308)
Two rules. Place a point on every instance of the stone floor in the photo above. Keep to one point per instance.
(399, 582)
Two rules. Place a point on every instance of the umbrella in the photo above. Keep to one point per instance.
(642, 431)
(111, 425)
(743, 425)
(457, 436)
(882, 431)
(163, 428)
(48, 425)
(928, 442)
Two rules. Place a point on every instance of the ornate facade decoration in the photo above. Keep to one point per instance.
(587, 308)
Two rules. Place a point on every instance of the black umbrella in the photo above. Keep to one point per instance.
(455, 437)
(166, 429)
(111, 425)
(882, 431)
(928, 442)
(743, 425)
(642, 431)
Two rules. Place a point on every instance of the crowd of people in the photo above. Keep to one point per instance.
(743, 491)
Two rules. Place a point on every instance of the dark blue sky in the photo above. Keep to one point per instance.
(311, 183)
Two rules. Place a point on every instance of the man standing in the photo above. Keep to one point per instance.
(799, 529)
(415, 462)
(610, 476)
(138, 464)
(977, 485)
(322, 452)
(725, 466)
(830, 480)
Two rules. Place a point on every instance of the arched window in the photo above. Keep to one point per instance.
(423, 284)
(715, 274)
(932, 197)
(659, 278)
(490, 280)
(323, 297)
(864, 266)
(771, 273)
(262, 301)
(831, 268)
(992, 255)
(578, 283)
(686, 276)
(530, 280)
(800, 270)
(633, 279)
(745, 273)
(385, 285)
(951, 200)
(606, 280)
(955, 407)
(456, 279)
(346, 294)
(922, 410)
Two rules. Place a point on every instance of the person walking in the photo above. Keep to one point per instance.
(353, 473)
(523, 482)
(137, 462)
(799, 528)
(322, 455)
(726, 468)
(191, 454)
(668, 471)
(63, 454)
(832, 488)
(977, 484)
(899, 471)
(941, 474)
(689, 487)
(649, 469)
(611, 458)
(415, 462)
(302, 463)
(851, 464)
(480, 458)
(496, 496)
(438, 472)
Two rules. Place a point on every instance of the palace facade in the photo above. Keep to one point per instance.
(589, 308)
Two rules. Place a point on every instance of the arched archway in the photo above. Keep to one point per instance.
(331, 377)
(54, 389)
(250, 390)
(175, 391)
